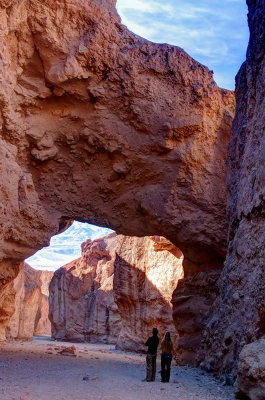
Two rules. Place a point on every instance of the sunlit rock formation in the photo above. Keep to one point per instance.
(31, 304)
(238, 316)
(43, 324)
(82, 306)
(147, 271)
(116, 292)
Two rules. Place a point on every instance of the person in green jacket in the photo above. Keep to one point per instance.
(152, 344)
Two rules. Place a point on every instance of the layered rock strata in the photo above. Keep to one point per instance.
(82, 306)
(100, 125)
(30, 315)
(116, 292)
(238, 316)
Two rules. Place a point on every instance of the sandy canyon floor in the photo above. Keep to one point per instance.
(37, 371)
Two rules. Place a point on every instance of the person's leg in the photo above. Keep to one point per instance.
(163, 365)
(148, 367)
(168, 364)
(169, 367)
(153, 368)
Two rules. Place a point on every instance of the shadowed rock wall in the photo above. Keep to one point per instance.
(239, 312)
(30, 314)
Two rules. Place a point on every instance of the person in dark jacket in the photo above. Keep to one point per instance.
(152, 344)
(166, 357)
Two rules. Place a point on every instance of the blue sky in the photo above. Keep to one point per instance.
(66, 246)
(213, 32)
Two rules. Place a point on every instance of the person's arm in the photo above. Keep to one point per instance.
(147, 342)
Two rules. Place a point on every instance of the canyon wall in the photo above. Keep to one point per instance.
(30, 314)
(43, 324)
(238, 316)
(82, 306)
(192, 301)
(116, 292)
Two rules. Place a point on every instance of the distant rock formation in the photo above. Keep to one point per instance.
(82, 306)
(43, 324)
(31, 312)
(116, 292)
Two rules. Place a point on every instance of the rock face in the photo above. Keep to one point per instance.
(146, 273)
(30, 305)
(100, 125)
(43, 326)
(82, 306)
(239, 313)
(251, 377)
(116, 292)
(192, 301)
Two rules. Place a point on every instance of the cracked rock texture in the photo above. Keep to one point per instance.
(250, 382)
(238, 316)
(116, 292)
(100, 125)
(30, 315)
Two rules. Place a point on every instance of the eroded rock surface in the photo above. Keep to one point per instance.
(116, 292)
(239, 313)
(250, 382)
(192, 301)
(43, 324)
(147, 271)
(30, 315)
(82, 306)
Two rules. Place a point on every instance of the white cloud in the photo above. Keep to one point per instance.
(214, 35)
(66, 246)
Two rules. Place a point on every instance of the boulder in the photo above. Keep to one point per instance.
(250, 382)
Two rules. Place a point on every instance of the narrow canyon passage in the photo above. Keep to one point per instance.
(36, 370)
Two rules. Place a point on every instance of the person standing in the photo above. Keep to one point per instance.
(166, 357)
(152, 344)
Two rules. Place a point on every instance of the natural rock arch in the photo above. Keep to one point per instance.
(100, 125)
